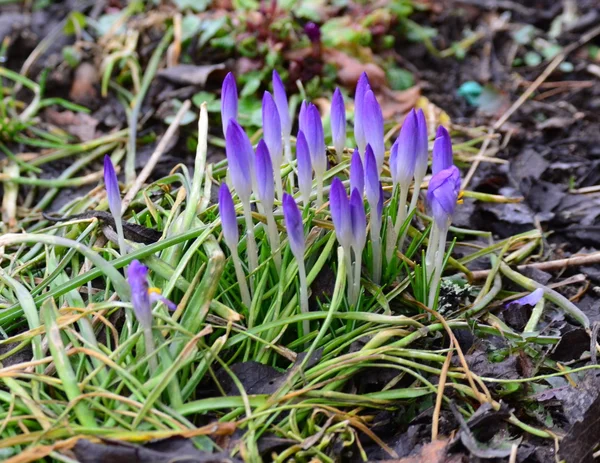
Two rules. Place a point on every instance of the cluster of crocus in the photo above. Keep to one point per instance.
(256, 174)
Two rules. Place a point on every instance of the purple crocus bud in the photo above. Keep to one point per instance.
(373, 127)
(442, 195)
(293, 224)
(403, 167)
(371, 178)
(357, 173)
(315, 138)
(143, 296)
(340, 212)
(264, 175)
(302, 122)
(229, 101)
(272, 129)
(304, 167)
(338, 123)
(422, 147)
(531, 299)
(362, 87)
(359, 221)
(282, 105)
(112, 187)
(228, 218)
(442, 151)
(313, 32)
(240, 157)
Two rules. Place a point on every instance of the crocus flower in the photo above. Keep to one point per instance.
(266, 193)
(362, 87)
(371, 178)
(404, 165)
(264, 175)
(231, 234)
(373, 127)
(422, 152)
(313, 32)
(114, 199)
(339, 207)
(531, 299)
(228, 218)
(240, 156)
(229, 101)
(294, 227)
(359, 238)
(442, 151)
(142, 297)
(442, 195)
(313, 131)
(338, 123)
(272, 129)
(304, 167)
(282, 105)
(284, 114)
(357, 173)
(302, 121)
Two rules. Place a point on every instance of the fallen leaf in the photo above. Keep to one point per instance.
(395, 104)
(190, 74)
(81, 125)
(434, 452)
(350, 69)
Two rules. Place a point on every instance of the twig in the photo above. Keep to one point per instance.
(158, 152)
(551, 265)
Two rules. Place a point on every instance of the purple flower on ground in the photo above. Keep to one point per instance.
(313, 32)
(142, 296)
(228, 218)
(282, 105)
(272, 129)
(373, 127)
(338, 122)
(264, 175)
(304, 167)
(112, 187)
(404, 159)
(339, 207)
(442, 151)
(371, 178)
(442, 195)
(240, 157)
(359, 221)
(531, 299)
(294, 226)
(362, 86)
(357, 173)
(229, 101)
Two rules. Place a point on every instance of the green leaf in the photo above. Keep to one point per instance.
(532, 58)
(75, 22)
(72, 56)
(210, 28)
(400, 79)
(187, 118)
(524, 35)
(190, 26)
(106, 21)
(470, 91)
(213, 105)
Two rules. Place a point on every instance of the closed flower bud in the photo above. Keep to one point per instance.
(229, 101)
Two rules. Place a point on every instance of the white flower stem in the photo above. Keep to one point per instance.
(274, 240)
(439, 262)
(411, 207)
(241, 278)
(279, 184)
(303, 296)
(432, 246)
(288, 156)
(319, 177)
(120, 234)
(357, 272)
(250, 243)
(376, 246)
(401, 217)
(348, 260)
